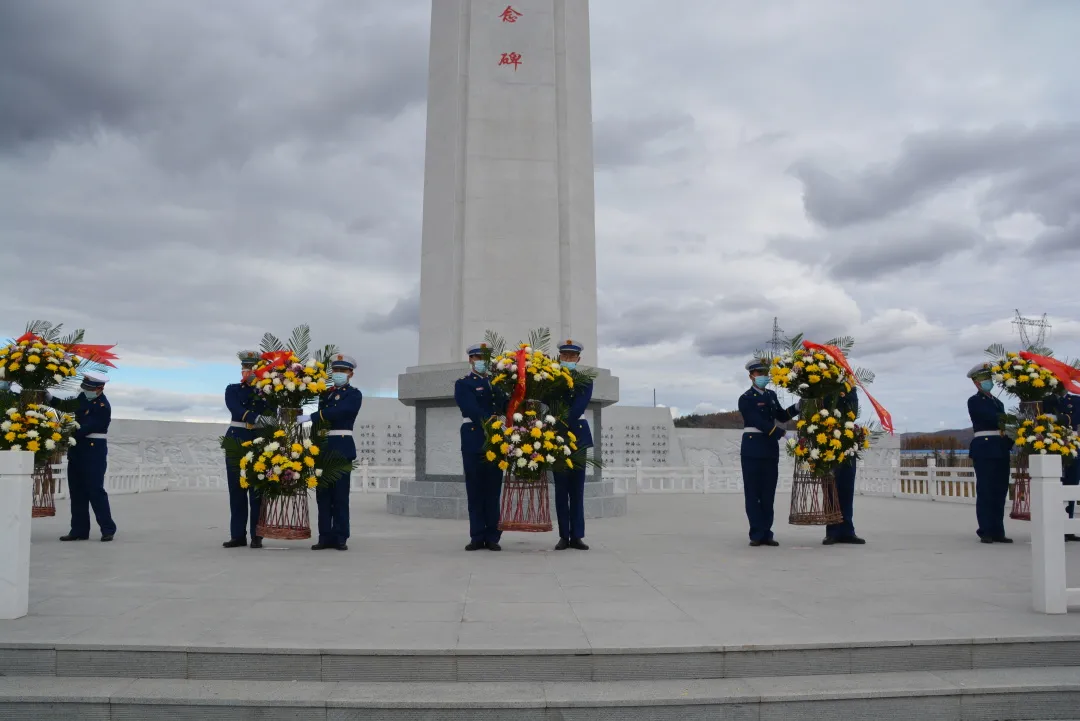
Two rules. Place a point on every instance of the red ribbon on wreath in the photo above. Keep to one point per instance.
(837, 355)
(274, 359)
(95, 353)
(519, 388)
(1063, 372)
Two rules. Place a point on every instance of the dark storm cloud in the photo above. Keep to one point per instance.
(875, 251)
(929, 163)
(1059, 241)
(405, 315)
(264, 73)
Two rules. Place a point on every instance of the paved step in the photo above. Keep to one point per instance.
(333, 665)
(1015, 693)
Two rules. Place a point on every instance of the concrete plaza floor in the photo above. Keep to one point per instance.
(675, 572)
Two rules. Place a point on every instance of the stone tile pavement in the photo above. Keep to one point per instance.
(675, 572)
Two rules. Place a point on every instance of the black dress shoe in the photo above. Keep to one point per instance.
(562, 545)
(578, 544)
(829, 541)
(106, 537)
(320, 546)
(256, 541)
(1002, 539)
(1072, 537)
(853, 540)
(70, 537)
(342, 547)
(475, 546)
(234, 543)
(491, 546)
(985, 539)
(755, 544)
(770, 542)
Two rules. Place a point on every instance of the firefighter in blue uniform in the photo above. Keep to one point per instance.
(989, 453)
(844, 532)
(570, 485)
(760, 451)
(245, 408)
(1066, 407)
(88, 460)
(338, 408)
(478, 402)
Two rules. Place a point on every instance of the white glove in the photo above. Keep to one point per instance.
(303, 419)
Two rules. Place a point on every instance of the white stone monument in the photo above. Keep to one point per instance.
(508, 237)
(16, 498)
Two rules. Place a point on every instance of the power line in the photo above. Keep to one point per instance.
(1041, 326)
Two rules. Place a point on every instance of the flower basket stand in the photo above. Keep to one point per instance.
(1021, 505)
(526, 505)
(814, 499)
(44, 503)
(285, 518)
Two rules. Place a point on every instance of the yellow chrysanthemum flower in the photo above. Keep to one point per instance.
(536, 433)
(504, 448)
(527, 448)
(821, 438)
(503, 465)
(490, 455)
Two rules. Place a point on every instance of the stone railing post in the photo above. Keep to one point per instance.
(638, 480)
(16, 498)
(931, 477)
(1047, 535)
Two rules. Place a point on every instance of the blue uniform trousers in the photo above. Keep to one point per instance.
(483, 486)
(1071, 477)
(570, 503)
(759, 491)
(845, 490)
(991, 492)
(86, 487)
(334, 511)
(241, 500)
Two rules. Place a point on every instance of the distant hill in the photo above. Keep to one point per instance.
(731, 420)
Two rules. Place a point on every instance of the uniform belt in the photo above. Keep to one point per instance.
(339, 433)
(239, 424)
(750, 429)
(96, 435)
(986, 434)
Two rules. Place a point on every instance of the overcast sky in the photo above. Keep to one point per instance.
(175, 173)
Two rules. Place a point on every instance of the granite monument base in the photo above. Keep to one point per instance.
(439, 488)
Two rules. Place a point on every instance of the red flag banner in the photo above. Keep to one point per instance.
(1065, 373)
(92, 352)
(837, 355)
(519, 389)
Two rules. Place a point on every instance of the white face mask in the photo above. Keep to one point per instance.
(90, 395)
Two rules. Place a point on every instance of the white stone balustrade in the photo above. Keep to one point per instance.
(16, 497)
(1049, 524)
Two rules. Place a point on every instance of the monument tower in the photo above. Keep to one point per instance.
(509, 232)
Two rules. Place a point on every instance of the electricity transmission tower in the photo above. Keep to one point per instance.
(1040, 325)
(778, 342)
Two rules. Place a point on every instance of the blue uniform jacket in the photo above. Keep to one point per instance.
(338, 408)
(245, 406)
(985, 411)
(578, 398)
(761, 409)
(1066, 408)
(93, 417)
(478, 401)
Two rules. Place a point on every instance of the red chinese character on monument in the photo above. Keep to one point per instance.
(511, 59)
(510, 15)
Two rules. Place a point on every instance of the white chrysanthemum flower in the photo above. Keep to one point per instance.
(792, 442)
(30, 367)
(550, 458)
(307, 443)
(537, 377)
(515, 438)
(58, 378)
(556, 366)
(528, 350)
(518, 453)
(815, 453)
(849, 425)
(566, 450)
(1053, 381)
(277, 470)
(804, 386)
(533, 465)
(811, 428)
(825, 412)
(5, 426)
(558, 439)
(1052, 417)
(521, 463)
(549, 419)
(11, 411)
(50, 444)
(273, 446)
(998, 377)
(513, 367)
(250, 455)
(71, 441)
(290, 386)
(538, 424)
(268, 389)
(259, 441)
(15, 447)
(31, 434)
(294, 455)
(1010, 383)
(262, 476)
(518, 417)
(318, 473)
(1042, 451)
